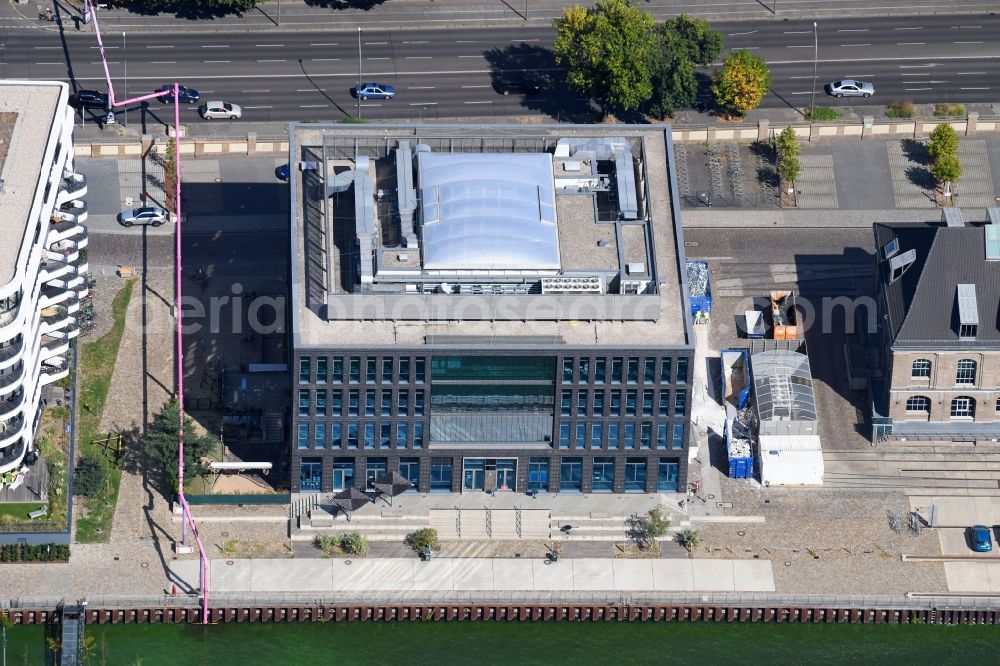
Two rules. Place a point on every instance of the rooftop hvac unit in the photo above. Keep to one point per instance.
(589, 284)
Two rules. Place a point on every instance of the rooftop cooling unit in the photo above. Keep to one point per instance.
(589, 284)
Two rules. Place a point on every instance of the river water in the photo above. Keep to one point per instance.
(519, 643)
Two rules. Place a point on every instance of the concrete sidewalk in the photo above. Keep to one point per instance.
(345, 16)
(480, 575)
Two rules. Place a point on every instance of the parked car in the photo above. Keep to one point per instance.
(374, 91)
(213, 110)
(282, 172)
(507, 85)
(979, 537)
(850, 88)
(151, 215)
(90, 99)
(186, 95)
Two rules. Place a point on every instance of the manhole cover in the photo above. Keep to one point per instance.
(347, 562)
(144, 565)
(225, 534)
(229, 562)
(742, 533)
(788, 564)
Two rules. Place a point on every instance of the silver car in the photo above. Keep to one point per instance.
(151, 215)
(213, 110)
(850, 88)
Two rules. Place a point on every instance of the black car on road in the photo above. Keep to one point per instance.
(90, 99)
(508, 85)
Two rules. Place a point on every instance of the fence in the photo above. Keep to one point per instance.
(253, 498)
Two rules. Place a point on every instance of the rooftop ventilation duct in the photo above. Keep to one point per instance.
(603, 149)
(364, 218)
(405, 193)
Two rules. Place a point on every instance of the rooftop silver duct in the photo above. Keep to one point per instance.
(610, 148)
(405, 193)
(364, 218)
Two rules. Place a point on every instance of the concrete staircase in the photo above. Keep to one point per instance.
(490, 524)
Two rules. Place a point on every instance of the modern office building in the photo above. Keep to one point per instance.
(488, 309)
(41, 269)
(937, 334)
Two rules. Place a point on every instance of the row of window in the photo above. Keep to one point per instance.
(626, 435)
(965, 372)
(621, 370)
(571, 473)
(364, 434)
(612, 401)
(962, 407)
(383, 403)
(358, 369)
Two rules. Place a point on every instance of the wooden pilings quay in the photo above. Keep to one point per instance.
(980, 611)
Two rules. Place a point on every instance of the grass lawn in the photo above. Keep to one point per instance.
(18, 510)
(97, 363)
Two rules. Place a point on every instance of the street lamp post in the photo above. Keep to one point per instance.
(812, 106)
(125, 71)
(357, 94)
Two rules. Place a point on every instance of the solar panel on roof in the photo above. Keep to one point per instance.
(992, 242)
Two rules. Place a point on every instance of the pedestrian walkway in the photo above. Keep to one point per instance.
(480, 575)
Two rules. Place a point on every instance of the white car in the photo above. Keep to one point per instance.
(151, 215)
(213, 110)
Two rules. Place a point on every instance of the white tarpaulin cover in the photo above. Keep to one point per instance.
(487, 211)
(791, 460)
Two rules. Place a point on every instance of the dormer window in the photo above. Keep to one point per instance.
(968, 312)
(890, 249)
(899, 263)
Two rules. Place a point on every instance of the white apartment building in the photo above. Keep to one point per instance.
(42, 273)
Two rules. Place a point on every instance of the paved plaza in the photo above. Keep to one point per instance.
(481, 575)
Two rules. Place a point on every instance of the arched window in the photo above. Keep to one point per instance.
(963, 407)
(921, 369)
(918, 404)
(966, 373)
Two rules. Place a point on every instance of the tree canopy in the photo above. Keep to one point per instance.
(742, 82)
(683, 44)
(788, 148)
(607, 51)
(947, 169)
(943, 141)
(160, 444)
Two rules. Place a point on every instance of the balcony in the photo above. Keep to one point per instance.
(10, 431)
(11, 405)
(74, 186)
(11, 378)
(53, 270)
(53, 347)
(55, 318)
(72, 211)
(51, 295)
(12, 456)
(10, 352)
(53, 372)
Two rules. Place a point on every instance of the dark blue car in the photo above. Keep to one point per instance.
(185, 95)
(982, 542)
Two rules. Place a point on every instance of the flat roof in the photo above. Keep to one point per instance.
(327, 312)
(27, 113)
(487, 211)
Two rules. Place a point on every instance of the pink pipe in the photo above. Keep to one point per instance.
(185, 509)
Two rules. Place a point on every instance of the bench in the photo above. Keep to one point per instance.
(38, 513)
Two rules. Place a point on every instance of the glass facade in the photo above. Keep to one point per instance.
(603, 411)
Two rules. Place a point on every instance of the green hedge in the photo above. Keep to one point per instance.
(20, 552)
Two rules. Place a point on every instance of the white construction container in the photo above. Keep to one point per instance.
(791, 460)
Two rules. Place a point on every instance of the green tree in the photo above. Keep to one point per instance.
(160, 444)
(947, 168)
(690, 539)
(683, 43)
(354, 543)
(787, 145)
(423, 540)
(606, 50)
(90, 476)
(742, 82)
(943, 141)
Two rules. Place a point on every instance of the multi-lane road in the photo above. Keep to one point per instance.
(441, 73)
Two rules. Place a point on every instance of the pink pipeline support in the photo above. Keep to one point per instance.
(187, 519)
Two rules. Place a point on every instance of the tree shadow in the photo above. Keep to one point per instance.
(916, 151)
(534, 65)
(182, 9)
(344, 4)
(767, 172)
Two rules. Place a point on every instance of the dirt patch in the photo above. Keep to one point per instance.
(238, 484)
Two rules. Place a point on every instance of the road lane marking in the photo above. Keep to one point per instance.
(420, 42)
(272, 61)
(46, 47)
(967, 42)
(255, 91)
(911, 28)
(478, 86)
(915, 74)
(930, 64)
(258, 107)
(313, 106)
(379, 58)
(325, 44)
(208, 61)
(807, 92)
(971, 73)
(526, 41)
(486, 102)
(148, 47)
(911, 43)
(418, 57)
(916, 89)
(973, 88)
(215, 46)
(969, 27)
(309, 89)
(423, 103)
(323, 59)
(739, 34)
(853, 30)
(51, 63)
(797, 32)
(849, 45)
(799, 46)
(375, 43)
(421, 87)
(264, 46)
(471, 56)
(162, 62)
